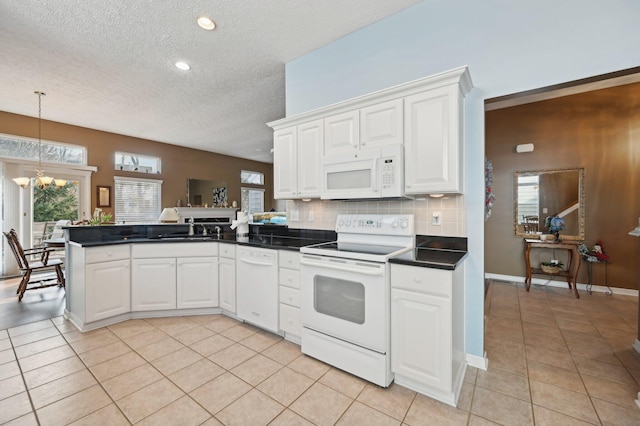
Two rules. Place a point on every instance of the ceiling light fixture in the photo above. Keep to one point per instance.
(182, 66)
(41, 181)
(206, 23)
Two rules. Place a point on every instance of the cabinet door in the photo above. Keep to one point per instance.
(421, 338)
(342, 133)
(381, 124)
(197, 282)
(227, 275)
(108, 289)
(432, 141)
(310, 144)
(153, 285)
(285, 164)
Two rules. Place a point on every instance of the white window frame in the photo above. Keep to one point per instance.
(43, 154)
(149, 164)
(154, 210)
(243, 177)
(246, 208)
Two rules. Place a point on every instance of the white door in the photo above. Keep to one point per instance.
(153, 285)
(421, 337)
(285, 163)
(227, 275)
(197, 282)
(347, 299)
(342, 133)
(381, 124)
(310, 145)
(432, 148)
(108, 289)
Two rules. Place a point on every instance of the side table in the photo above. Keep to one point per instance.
(572, 269)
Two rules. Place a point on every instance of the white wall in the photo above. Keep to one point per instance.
(509, 46)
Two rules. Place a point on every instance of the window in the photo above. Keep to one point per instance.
(254, 178)
(528, 196)
(52, 152)
(137, 200)
(137, 163)
(252, 200)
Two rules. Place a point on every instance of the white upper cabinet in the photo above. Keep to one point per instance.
(426, 116)
(310, 140)
(432, 140)
(285, 163)
(297, 151)
(342, 133)
(381, 124)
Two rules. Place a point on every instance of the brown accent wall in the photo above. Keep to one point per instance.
(598, 130)
(178, 163)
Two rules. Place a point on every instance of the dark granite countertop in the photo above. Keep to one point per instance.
(436, 252)
(263, 236)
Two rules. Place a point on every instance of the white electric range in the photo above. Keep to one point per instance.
(345, 293)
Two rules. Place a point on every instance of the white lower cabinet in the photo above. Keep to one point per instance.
(197, 282)
(427, 330)
(289, 294)
(174, 276)
(227, 277)
(154, 284)
(107, 289)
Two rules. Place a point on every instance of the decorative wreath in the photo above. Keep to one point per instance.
(489, 196)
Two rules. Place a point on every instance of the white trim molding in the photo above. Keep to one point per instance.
(563, 284)
(478, 361)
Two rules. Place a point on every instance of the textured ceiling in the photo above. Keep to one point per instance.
(108, 64)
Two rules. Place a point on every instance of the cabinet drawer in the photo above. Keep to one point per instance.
(227, 250)
(107, 253)
(290, 296)
(158, 250)
(289, 259)
(289, 278)
(290, 320)
(436, 282)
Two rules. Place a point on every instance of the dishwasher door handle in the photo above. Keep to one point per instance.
(253, 262)
(376, 272)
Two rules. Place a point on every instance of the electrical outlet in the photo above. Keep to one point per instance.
(295, 216)
(545, 210)
(311, 216)
(435, 220)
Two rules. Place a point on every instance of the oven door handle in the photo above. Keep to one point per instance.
(377, 271)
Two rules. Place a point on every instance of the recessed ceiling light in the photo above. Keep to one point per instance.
(182, 66)
(206, 23)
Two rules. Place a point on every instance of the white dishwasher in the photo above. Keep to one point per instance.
(257, 286)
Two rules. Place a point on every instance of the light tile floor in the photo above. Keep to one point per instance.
(553, 360)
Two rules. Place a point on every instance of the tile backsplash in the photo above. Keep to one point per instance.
(318, 214)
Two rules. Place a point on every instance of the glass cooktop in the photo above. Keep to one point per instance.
(353, 248)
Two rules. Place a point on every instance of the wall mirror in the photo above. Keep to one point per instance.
(543, 194)
(211, 193)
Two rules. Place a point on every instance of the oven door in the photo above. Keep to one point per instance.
(346, 299)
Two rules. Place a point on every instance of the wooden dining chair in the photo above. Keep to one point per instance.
(27, 267)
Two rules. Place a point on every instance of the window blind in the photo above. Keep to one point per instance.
(137, 200)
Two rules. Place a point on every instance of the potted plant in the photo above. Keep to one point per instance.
(552, 267)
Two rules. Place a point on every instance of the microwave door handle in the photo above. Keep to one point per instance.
(375, 175)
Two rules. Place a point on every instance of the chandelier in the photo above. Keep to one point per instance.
(41, 181)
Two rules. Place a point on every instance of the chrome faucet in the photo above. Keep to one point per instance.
(191, 226)
(218, 231)
(204, 231)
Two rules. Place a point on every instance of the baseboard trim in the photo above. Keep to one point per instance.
(563, 284)
(481, 362)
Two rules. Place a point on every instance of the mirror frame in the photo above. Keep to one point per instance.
(581, 203)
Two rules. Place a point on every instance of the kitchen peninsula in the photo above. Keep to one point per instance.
(121, 272)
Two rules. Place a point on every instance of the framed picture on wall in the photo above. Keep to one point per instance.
(103, 196)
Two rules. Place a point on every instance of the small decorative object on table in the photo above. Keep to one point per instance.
(555, 225)
(593, 255)
(552, 267)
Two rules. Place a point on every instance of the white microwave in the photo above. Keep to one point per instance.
(370, 173)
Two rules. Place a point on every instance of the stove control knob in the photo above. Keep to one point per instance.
(404, 224)
(341, 223)
(394, 224)
(348, 223)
